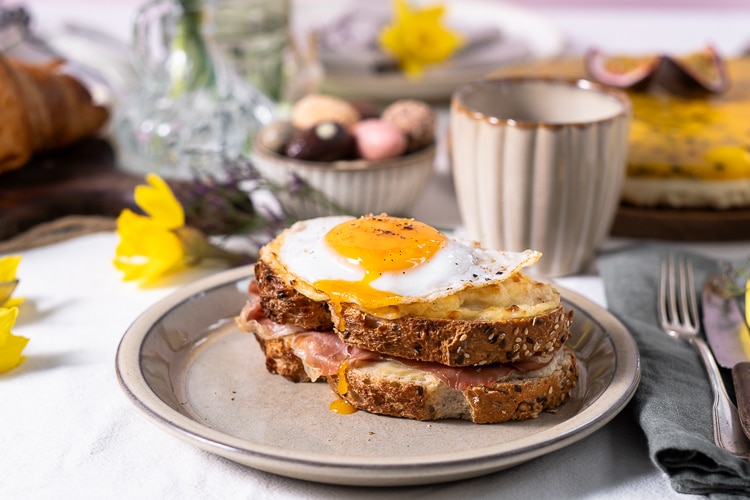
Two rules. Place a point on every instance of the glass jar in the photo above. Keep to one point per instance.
(254, 37)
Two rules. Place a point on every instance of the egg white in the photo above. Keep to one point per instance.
(458, 265)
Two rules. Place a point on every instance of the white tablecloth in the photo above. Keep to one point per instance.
(67, 430)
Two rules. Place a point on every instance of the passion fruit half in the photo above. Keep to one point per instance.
(692, 75)
(699, 72)
(624, 71)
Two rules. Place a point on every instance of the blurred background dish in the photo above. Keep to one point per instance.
(498, 33)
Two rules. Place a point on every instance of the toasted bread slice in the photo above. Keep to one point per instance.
(454, 341)
(515, 320)
(283, 304)
(396, 389)
(280, 357)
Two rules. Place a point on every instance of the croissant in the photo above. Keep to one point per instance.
(42, 109)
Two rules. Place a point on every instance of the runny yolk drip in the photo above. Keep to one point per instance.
(343, 407)
(343, 385)
(378, 244)
(340, 405)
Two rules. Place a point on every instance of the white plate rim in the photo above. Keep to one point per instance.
(388, 471)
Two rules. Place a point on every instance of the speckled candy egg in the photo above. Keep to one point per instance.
(315, 108)
(415, 119)
(378, 140)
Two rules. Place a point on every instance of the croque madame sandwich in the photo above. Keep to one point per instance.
(402, 320)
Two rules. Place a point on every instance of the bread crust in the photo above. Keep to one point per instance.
(280, 357)
(285, 305)
(455, 342)
(432, 399)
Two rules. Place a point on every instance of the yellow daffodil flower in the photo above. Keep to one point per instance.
(149, 247)
(8, 280)
(417, 37)
(159, 243)
(11, 346)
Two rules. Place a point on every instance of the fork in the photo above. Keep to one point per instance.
(678, 314)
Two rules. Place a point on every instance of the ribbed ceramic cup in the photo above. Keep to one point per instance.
(539, 163)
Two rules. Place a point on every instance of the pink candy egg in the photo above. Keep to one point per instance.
(378, 140)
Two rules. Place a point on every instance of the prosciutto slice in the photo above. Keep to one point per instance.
(325, 351)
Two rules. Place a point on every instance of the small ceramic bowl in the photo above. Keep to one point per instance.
(307, 189)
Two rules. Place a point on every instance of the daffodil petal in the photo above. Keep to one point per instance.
(14, 302)
(11, 353)
(146, 250)
(9, 267)
(11, 346)
(8, 317)
(158, 201)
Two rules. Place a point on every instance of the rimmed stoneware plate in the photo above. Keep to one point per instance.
(525, 35)
(191, 372)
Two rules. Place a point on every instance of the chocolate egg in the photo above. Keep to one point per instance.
(316, 108)
(378, 140)
(325, 142)
(415, 119)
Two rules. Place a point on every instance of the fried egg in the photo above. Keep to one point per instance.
(379, 260)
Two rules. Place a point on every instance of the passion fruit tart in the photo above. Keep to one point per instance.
(685, 152)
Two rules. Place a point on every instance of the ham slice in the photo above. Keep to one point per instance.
(252, 312)
(325, 351)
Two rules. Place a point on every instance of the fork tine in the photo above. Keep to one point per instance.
(672, 290)
(682, 284)
(663, 292)
(691, 295)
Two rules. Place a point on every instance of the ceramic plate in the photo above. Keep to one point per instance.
(525, 35)
(185, 365)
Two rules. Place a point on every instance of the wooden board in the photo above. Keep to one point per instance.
(80, 180)
(682, 225)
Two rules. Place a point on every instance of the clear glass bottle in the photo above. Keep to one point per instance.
(190, 111)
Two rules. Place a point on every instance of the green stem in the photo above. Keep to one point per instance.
(197, 247)
(190, 66)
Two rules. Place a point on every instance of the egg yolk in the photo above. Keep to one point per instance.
(378, 244)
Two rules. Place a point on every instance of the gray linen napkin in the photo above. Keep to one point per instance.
(673, 401)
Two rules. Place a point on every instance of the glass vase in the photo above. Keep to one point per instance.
(190, 112)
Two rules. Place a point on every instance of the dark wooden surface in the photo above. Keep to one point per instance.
(682, 225)
(80, 180)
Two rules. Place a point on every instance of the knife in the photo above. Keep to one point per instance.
(729, 338)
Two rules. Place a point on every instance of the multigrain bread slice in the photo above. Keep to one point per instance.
(279, 353)
(515, 320)
(283, 304)
(417, 390)
(396, 389)
(456, 342)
